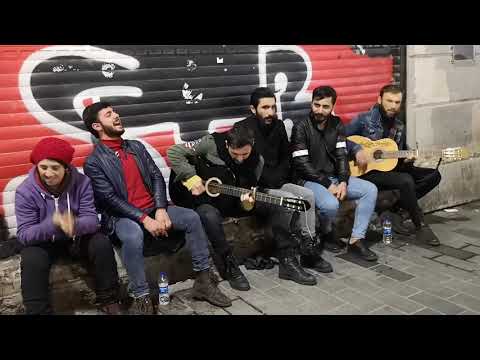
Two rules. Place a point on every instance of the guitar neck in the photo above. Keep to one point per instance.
(408, 153)
(237, 192)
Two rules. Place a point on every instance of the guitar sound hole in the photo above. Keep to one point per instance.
(377, 154)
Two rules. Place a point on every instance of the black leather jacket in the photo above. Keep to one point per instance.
(318, 154)
(105, 170)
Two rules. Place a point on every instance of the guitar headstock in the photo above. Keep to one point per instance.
(296, 204)
(456, 153)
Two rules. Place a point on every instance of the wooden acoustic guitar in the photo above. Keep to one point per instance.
(383, 154)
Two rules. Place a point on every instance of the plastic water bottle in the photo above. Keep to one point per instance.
(387, 232)
(163, 295)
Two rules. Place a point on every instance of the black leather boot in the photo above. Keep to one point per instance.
(290, 269)
(311, 256)
(234, 275)
(331, 242)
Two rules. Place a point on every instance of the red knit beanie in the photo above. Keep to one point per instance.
(52, 148)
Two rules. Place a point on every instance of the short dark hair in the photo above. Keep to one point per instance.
(323, 92)
(90, 115)
(240, 136)
(390, 88)
(260, 93)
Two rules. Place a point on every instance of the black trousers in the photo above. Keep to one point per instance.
(279, 218)
(37, 260)
(413, 183)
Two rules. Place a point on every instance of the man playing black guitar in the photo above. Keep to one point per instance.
(382, 121)
(231, 157)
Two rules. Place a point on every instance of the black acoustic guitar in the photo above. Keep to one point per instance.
(220, 180)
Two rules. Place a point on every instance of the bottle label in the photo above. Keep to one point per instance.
(164, 290)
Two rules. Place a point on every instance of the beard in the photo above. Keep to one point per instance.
(390, 115)
(111, 132)
(268, 121)
(320, 118)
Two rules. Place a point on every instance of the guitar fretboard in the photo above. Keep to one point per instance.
(235, 191)
(408, 153)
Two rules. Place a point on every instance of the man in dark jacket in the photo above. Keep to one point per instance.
(56, 216)
(234, 153)
(271, 141)
(382, 121)
(131, 195)
(320, 161)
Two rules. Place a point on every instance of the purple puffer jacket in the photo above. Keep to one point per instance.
(34, 208)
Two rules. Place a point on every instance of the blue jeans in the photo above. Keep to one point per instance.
(363, 191)
(131, 235)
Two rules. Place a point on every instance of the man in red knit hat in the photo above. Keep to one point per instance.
(56, 216)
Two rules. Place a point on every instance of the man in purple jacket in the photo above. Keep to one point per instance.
(56, 216)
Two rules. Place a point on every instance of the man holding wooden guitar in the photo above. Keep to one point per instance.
(381, 122)
(232, 157)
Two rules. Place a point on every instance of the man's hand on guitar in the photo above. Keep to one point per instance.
(361, 158)
(410, 159)
(341, 190)
(198, 189)
(247, 201)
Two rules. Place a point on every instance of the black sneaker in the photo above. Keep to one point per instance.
(362, 251)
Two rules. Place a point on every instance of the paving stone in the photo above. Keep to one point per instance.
(275, 307)
(453, 239)
(359, 284)
(328, 285)
(356, 260)
(416, 250)
(347, 309)
(468, 313)
(240, 307)
(467, 301)
(324, 301)
(362, 302)
(261, 282)
(398, 302)
(386, 310)
(450, 251)
(457, 263)
(472, 248)
(471, 233)
(393, 273)
(286, 296)
(464, 287)
(427, 311)
(395, 262)
(313, 308)
(475, 259)
(440, 290)
(424, 271)
(394, 286)
(436, 303)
